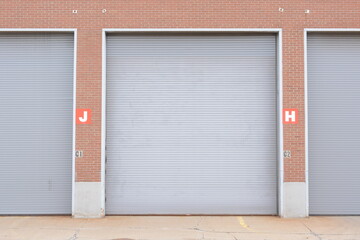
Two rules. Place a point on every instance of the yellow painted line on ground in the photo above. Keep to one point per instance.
(243, 224)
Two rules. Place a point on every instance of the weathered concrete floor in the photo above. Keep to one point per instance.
(174, 228)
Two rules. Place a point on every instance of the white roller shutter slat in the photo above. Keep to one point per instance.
(36, 106)
(334, 130)
(191, 124)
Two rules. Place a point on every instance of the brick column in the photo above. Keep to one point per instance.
(88, 190)
(295, 198)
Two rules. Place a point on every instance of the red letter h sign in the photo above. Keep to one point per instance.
(290, 116)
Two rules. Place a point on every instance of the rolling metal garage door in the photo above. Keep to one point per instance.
(191, 124)
(36, 105)
(334, 130)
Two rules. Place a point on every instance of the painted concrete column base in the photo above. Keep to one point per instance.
(88, 202)
(295, 200)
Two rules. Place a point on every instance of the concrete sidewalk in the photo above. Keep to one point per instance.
(173, 228)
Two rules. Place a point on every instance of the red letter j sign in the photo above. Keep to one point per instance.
(83, 116)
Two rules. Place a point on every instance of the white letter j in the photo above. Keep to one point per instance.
(84, 119)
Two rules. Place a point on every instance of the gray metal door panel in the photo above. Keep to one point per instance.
(191, 124)
(334, 130)
(36, 105)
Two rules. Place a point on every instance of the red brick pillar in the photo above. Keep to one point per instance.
(294, 187)
(88, 189)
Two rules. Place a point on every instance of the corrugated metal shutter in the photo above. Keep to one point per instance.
(36, 101)
(191, 124)
(334, 130)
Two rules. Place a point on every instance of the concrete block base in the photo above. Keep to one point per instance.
(88, 202)
(295, 200)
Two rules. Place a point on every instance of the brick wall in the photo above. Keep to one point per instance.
(181, 14)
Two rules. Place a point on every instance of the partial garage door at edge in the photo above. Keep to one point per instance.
(36, 105)
(334, 130)
(191, 123)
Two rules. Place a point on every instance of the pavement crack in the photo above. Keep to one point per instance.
(207, 231)
(233, 236)
(199, 222)
(75, 235)
(312, 232)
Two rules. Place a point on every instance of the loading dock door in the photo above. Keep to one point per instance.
(334, 130)
(36, 106)
(191, 124)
